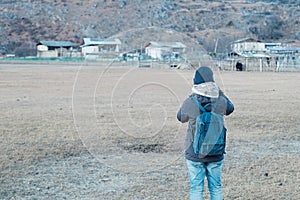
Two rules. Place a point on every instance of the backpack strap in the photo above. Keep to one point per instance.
(198, 104)
(203, 109)
(215, 105)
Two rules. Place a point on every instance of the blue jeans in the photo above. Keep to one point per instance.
(197, 173)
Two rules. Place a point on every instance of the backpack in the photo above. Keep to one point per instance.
(210, 133)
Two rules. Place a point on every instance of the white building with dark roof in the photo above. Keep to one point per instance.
(267, 55)
(94, 47)
(160, 50)
(55, 49)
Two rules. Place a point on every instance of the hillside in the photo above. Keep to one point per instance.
(211, 24)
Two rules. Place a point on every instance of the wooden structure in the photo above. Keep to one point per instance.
(264, 56)
(56, 49)
(97, 48)
(164, 50)
(285, 57)
(247, 45)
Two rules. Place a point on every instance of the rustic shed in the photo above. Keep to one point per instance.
(55, 49)
(263, 55)
(248, 45)
(249, 50)
(161, 50)
(94, 47)
(285, 57)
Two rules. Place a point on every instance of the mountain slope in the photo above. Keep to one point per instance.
(23, 23)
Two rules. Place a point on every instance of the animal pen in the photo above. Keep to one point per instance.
(279, 59)
(249, 54)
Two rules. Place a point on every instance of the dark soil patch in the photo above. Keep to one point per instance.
(146, 148)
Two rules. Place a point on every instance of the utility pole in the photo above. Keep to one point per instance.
(216, 46)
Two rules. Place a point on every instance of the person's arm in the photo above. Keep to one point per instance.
(229, 107)
(229, 104)
(181, 114)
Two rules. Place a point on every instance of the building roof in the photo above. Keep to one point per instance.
(166, 44)
(254, 55)
(271, 44)
(57, 43)
(285, 48)
(99, 41)
(246, 40)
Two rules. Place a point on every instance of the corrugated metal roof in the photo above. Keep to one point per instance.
(99, 41)
(294, 49)
(246, 40)
(272, 44)
(253, 55)
(57, 43)
(166, 44)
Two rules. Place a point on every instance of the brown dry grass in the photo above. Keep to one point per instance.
(100, 132)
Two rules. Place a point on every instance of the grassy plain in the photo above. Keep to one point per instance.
(109, 132)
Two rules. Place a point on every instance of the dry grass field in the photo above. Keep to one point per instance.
(107, 132)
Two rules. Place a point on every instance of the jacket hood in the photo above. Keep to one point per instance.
(207, 89)
(202, 75)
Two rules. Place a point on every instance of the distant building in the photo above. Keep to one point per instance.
(56, 49)
(247, 45)
(163, 50)
(285, 57)
(96, 48)
(264, 54)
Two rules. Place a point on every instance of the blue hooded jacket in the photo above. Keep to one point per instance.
(189, 112)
